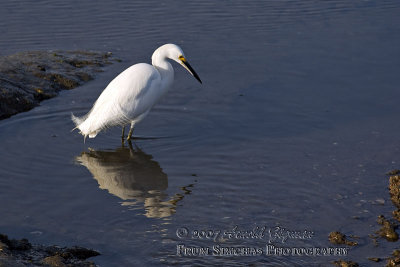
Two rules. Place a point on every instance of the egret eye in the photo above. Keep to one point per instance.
(182, 58)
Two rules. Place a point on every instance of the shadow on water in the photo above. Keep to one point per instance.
(134, 177)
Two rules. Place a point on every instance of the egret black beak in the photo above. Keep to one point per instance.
(189, 68)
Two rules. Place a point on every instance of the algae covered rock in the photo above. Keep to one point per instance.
(27, 78)
(20, 252)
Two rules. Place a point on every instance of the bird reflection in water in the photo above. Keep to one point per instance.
(134, 177)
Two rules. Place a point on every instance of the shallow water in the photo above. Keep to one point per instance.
(294, 126)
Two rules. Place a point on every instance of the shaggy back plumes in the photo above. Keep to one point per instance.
(91, 124)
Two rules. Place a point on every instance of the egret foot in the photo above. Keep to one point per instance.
(130, 146)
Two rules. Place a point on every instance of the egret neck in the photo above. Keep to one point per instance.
(160, 62)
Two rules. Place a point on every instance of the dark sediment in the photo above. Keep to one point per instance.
(27, 78)
(22, 253)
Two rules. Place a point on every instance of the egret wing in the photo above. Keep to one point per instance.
(140, 91)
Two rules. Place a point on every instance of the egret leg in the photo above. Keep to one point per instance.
(130, 131)
(130, 147)
(123, 133)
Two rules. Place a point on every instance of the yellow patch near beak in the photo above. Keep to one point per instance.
(182, 58)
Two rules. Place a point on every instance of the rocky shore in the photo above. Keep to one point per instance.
(18, 253)
(27, 78)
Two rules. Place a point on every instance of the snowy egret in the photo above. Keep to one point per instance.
(129, 97)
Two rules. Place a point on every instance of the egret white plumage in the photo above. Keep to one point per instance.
(129, 97)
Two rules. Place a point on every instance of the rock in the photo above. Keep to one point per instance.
(393, 172)
(388, 229)
(4, 239)
(374, 259)
(27, 78)
(54, 261)
(396, 214)
(82, 253)
(394, 189)
(342, 263)
(339, 239)
(22, 244)
(3, 247)
(394, 260)
(22, 253)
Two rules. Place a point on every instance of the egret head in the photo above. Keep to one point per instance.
(175, 53)
(186, 65)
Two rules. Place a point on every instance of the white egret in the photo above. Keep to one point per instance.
(129, 97)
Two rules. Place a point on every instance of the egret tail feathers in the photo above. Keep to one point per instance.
(83, 125)
(77, 121)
